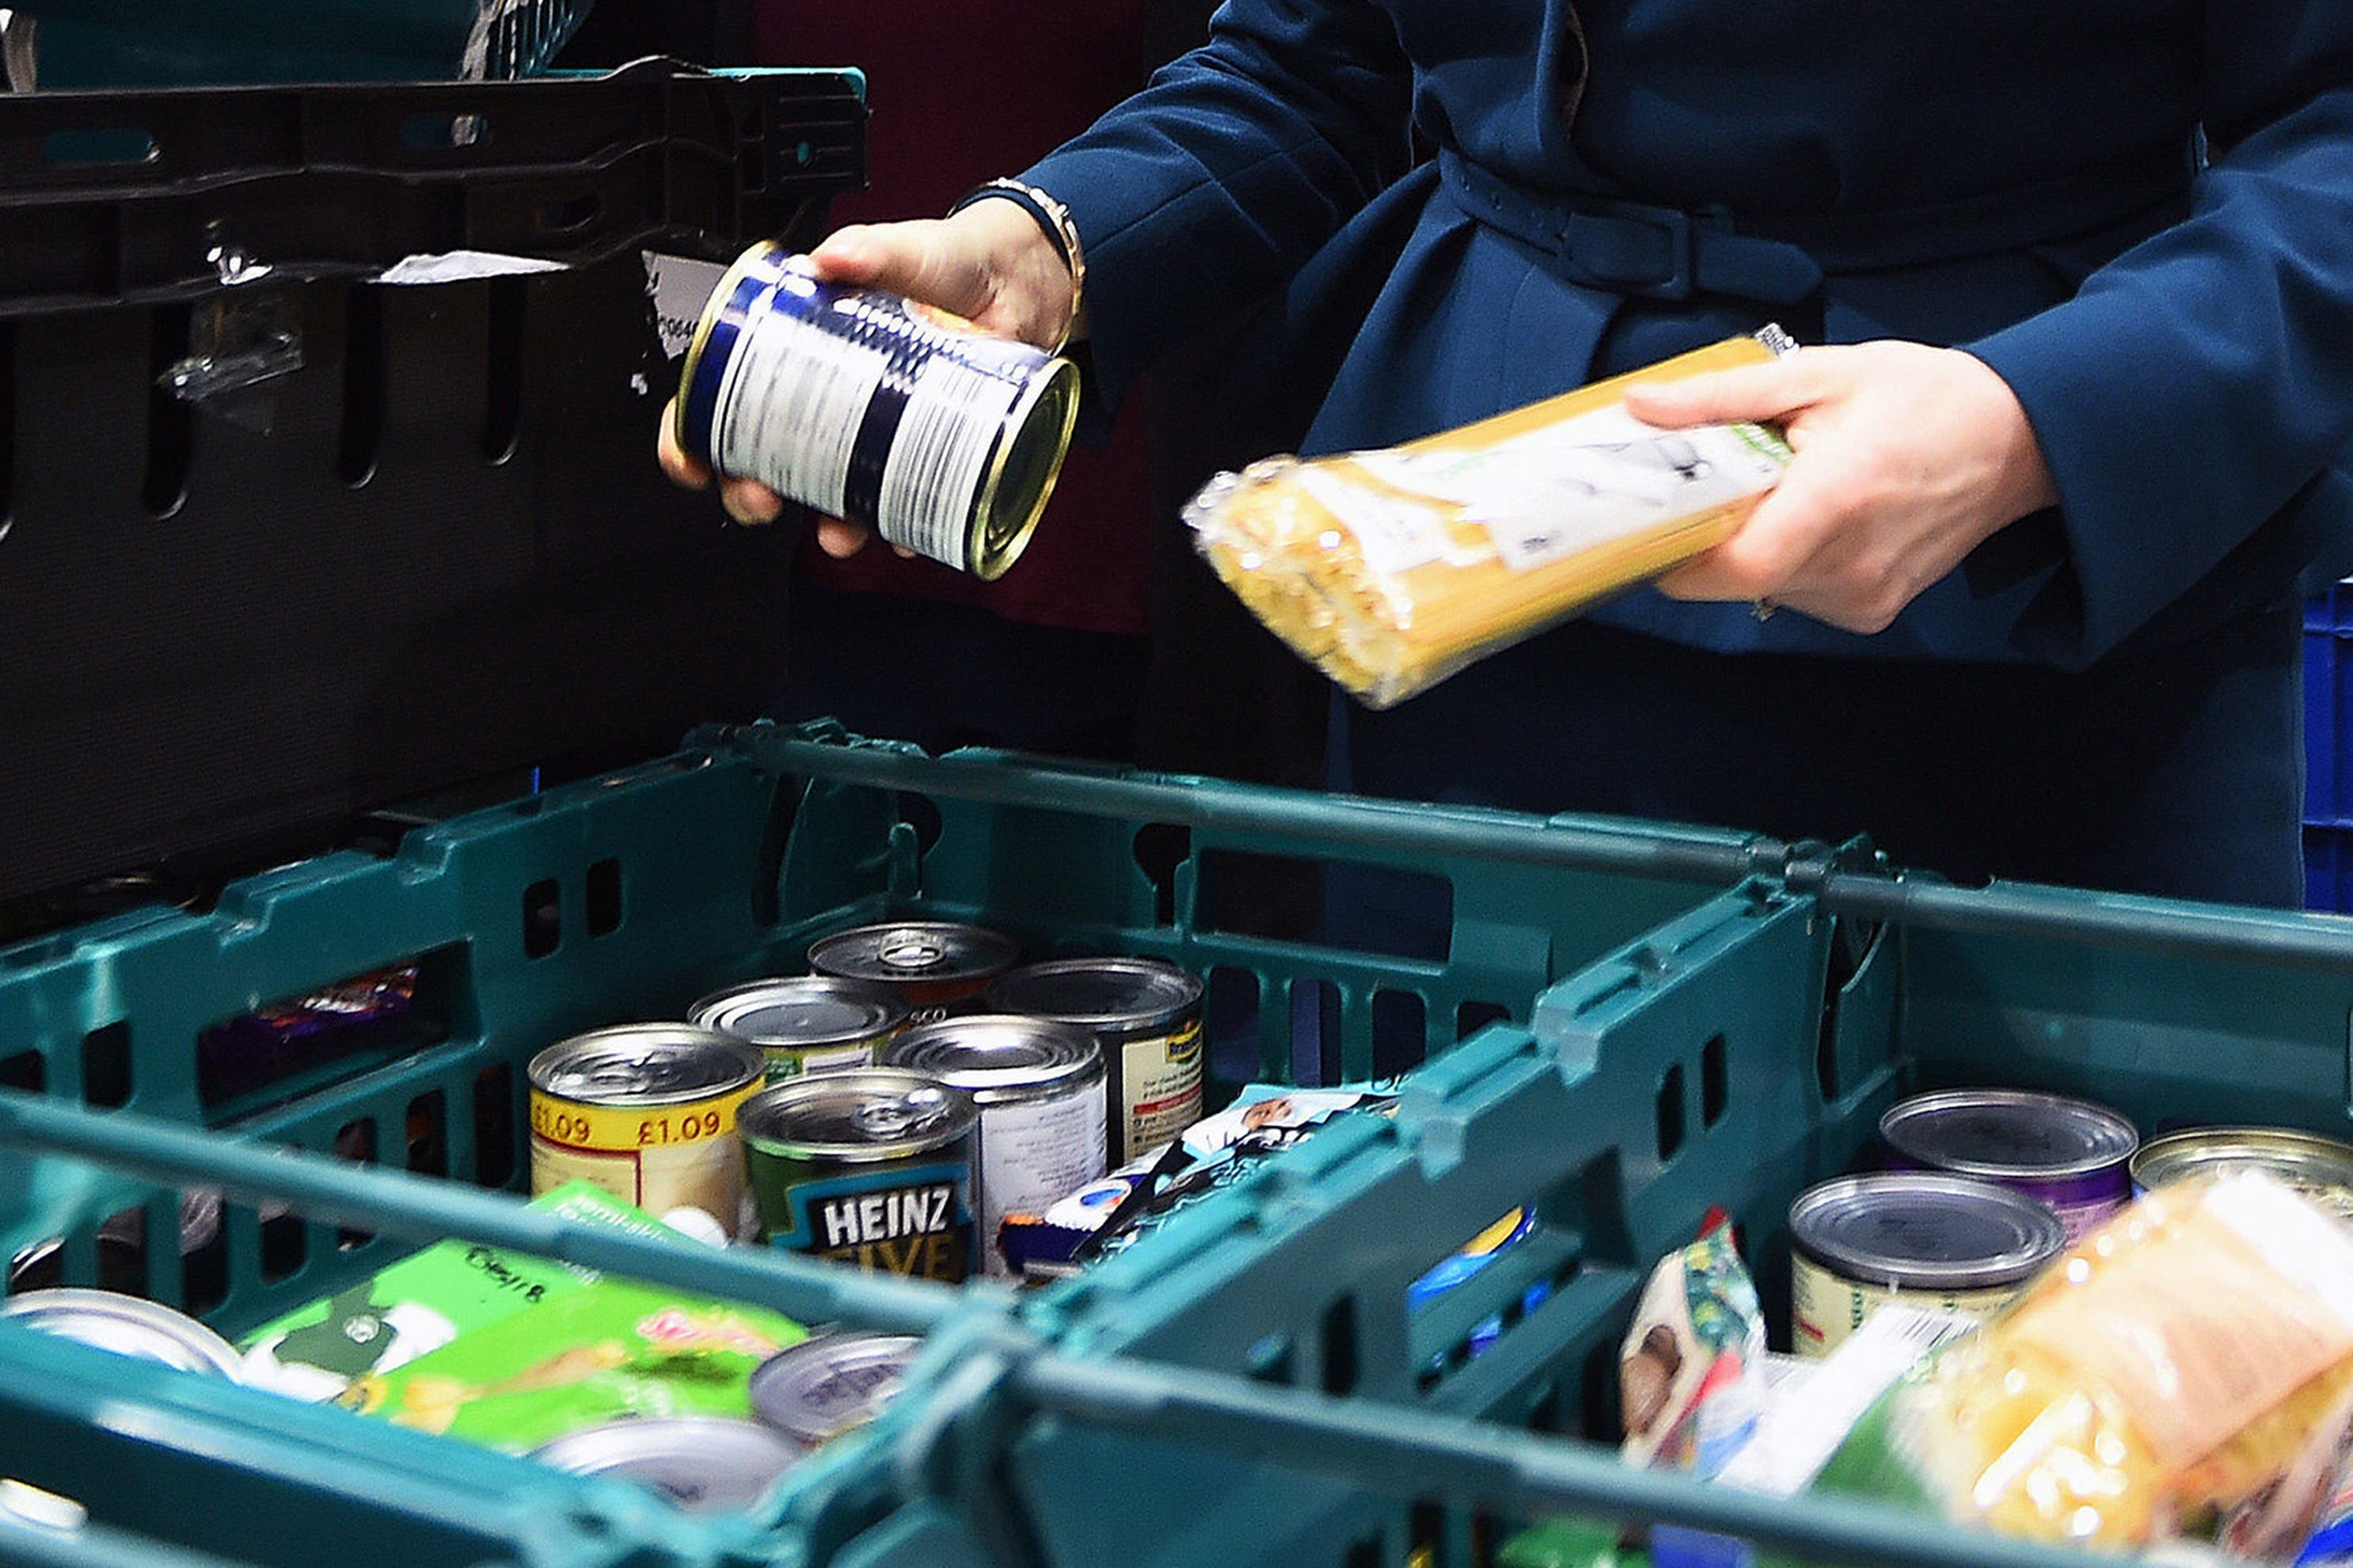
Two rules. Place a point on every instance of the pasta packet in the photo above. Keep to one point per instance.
(2168, 1368)
(1392, 569)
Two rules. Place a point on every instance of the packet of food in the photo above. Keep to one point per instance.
(2170, 1367)
(1392, 569)
(425, 1300)
(1689, 1371)
(612, 1348)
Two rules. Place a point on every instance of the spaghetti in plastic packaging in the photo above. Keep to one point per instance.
(1392, 569)
(2170, 1368)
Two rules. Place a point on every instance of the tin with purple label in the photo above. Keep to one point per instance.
(867, 406)
(2072, 1155)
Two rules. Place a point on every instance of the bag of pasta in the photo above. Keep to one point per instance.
(1390, 569)
(2169, 1367)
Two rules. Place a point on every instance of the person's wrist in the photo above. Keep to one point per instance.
(1058, 259)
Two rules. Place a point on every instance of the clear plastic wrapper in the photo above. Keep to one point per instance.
(2171, 1367)
(1390, 569)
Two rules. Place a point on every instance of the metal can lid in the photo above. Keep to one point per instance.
(704, 1464)
(914, 950)
(1122, 995)
(802, 1010)
(823, 1386)
(1925, 1230)
(2014, 1134)
(646, 1064)
(2320, 1168)
(861, 1113)
(127, 1325)
(1000, 1056)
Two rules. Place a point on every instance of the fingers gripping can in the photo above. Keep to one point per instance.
(867, 406)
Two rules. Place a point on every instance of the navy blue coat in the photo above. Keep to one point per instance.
(2138, 212)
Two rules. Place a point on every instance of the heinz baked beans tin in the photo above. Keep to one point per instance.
(806, 1023)
(1147, 1015)
(869, 407)
(1946, 1243)
(1039, 1087)
(647, 1111)
(2070, 1154)
(939, 966)
(871, 1165)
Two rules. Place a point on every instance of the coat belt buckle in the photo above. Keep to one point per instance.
(1628, 247)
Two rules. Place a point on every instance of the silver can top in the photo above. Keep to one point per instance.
(1000, 1056)
(1925, 1231)
(905, 950)
(2320, 1168)
(2013, 1134)
(127, 1325)
(647, 1064)
(823, 1386)
(1113, 996)
(800, 1011)
(860, 1114)
(704, 1464)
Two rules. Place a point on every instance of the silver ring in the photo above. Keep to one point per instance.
(1762, 608)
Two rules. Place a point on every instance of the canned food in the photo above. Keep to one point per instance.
(2320, 1168)
(1039, 1087)
(822, 1387)
(1943, 1242)
(808, 1023)
(937, 966)
(704, 1464)
(2069, 1153)
(127, 1325)
(867, 406)
(871, 1166)
(1147, 1015)
(647, 1111)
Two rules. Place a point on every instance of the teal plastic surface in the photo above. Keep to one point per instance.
(186, 43)
(627, 897)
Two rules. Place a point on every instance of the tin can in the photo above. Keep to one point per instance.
(704, 1464)
(1929, 1239)
(869, 408)
(823, 1386)
(871, 1166)
(1147, 1015)
(127, 1325)
(1039, 1087)
(2320, 1168)
(807, 1023)
(647, 1111)
(2069, 1153)
(939, 966)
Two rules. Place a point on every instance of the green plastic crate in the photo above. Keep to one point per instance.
(182, 43)
(625, 897)
(1249, 1386)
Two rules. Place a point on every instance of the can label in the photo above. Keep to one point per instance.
(910, 1219)
(867, 406)
(1825, 1308)
(658, 1157)
(790, 1061)
(1160, 1079)
(1034, 1153)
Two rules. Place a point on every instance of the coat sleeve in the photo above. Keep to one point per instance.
(2197, 384)
(1205, 193)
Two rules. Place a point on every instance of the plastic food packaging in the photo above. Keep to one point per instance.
(1390, 569)
(2169, 1368)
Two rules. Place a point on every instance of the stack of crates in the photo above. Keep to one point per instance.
(1633, 1025)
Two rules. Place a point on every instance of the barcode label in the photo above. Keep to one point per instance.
(1802, 1426)
(953, 419)
(792, 399)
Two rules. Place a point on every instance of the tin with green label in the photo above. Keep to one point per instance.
(870, 1166)
(807, 1023)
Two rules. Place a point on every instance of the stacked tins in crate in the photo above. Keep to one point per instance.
(623, 899)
